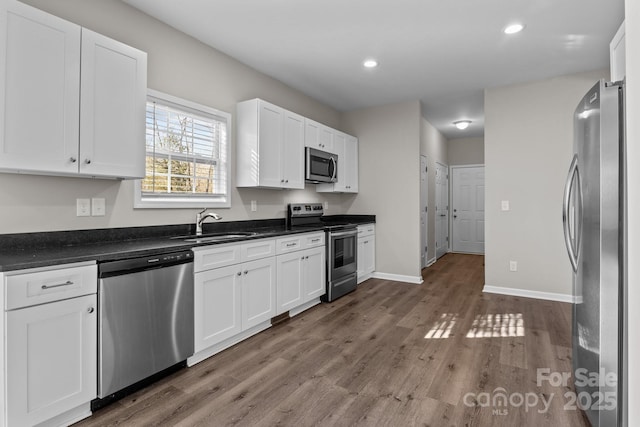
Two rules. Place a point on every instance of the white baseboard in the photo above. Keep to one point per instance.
(416, 280)
(529, 294)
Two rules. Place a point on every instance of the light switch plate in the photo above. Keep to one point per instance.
(98, 206)
(254, 206)
(326, 206)
(505, 205)
(83, 207)
(513, 265)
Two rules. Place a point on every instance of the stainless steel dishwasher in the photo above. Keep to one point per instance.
(145, 322)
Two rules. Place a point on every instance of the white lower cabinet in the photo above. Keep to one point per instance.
(240, 287)
(51, 348)
(258, 292)
(234, 295)
(218, 306)
(301, 274)
(366, 263)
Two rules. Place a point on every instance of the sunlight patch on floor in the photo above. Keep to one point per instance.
(497, 325)
(484, 326)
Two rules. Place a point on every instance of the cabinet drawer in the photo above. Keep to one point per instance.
(289, 244)
(258, 249)
(366, 230)
(313, 240)
(208, 257)
(38, 286)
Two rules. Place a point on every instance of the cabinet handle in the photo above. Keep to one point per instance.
(73, 159)
(290, 244)
(246, 272)
(67, 283)
(90, 310)
(286, 180)
(306, 257)
(282, 180)
(366, 241)
(239, 273)
(302, 258)
(88, 161)
(315, 240)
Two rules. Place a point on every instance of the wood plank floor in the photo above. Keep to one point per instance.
(390, 354)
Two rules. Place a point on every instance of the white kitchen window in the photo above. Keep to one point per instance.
(187, 155)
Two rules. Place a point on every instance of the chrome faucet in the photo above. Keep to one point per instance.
(200, 219)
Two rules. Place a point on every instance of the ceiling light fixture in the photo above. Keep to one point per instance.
(462, 124)
(514, 28)
(370, 63)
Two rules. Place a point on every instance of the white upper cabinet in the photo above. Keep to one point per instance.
(318, 136)
(40, 60)
(73, 101)
(346, 147)
(270, 146)
(112, 107)
(617, 55)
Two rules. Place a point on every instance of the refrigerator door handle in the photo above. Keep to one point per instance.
(568, 189)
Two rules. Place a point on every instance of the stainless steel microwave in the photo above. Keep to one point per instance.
(320, 166)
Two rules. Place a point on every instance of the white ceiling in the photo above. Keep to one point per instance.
(442, 52)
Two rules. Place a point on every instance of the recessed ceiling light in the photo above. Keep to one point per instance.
(370, 63)
(462, 124)
(514, 28)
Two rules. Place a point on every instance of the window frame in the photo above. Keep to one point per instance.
(187, 201)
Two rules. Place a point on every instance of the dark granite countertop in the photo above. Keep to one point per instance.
(30, 250)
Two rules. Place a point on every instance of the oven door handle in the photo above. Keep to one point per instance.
(344, 233)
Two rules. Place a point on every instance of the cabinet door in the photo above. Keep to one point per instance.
(312, 134)
(112, 114)
(218, 305)
(293, 151)
(351, 164)
(361, 259)
(270, 134)
(51, 359)
(290, 289)
(326, 139)
(258, 292)
(39, 91)
(369, 254)
(338, 148)
(314, 273)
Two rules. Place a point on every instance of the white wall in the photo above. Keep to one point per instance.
(632, 25)
(178, 65)
(528, 145)
(466, 151)
(389, 182)
(433, 145)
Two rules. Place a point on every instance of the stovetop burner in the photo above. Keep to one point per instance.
(310, 215)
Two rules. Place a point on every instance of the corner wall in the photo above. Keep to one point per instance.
(528, 146)
(433, 145)
(389, 182)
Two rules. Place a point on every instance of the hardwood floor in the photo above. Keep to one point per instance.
(390, 354)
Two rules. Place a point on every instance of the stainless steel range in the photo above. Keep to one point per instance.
(342, 246)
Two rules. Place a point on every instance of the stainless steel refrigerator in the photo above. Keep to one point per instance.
(594, 226)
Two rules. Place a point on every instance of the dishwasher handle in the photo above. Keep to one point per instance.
(126, 266)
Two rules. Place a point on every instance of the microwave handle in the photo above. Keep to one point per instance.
(335, 169)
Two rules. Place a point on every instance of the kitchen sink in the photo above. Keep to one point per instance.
(215, 237)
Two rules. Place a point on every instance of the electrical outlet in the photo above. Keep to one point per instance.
(98, 206)
(326, 205)
(83, 207)
(505, 205)
(254, 206)
(513, 265)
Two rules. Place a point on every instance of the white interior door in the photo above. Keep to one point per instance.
(467, 185)
(423, 211)
(442, 209)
